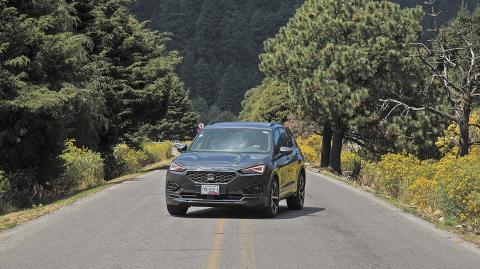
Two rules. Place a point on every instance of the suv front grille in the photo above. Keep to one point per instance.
(211, 177)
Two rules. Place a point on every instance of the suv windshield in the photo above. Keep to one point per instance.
(233, 140)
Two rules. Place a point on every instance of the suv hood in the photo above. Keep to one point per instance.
(220, 161)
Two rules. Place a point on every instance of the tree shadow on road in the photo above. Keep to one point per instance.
(232, 213)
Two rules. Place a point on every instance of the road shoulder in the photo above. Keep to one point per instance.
(453, 237)
(14, 219)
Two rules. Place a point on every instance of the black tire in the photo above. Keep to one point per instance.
(177, 210)
(296, 202)
(273, 200)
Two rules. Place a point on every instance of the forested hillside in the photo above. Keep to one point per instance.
(448, 8)
(83, 70)
(220, 40)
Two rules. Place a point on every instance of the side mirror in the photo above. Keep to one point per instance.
(285, 150)
(181, 148)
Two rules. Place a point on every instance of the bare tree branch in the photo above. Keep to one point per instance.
(407, 108)
(474, 125)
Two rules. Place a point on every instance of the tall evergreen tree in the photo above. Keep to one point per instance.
(86, 70)
(42, 90)
(339, 58)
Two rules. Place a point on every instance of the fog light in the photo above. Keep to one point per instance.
(254, 189)
(172, 186)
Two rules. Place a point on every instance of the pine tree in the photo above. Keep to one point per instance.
(204, 85)
(208, 30)
(339, 58)
(269, 102)
(86, 70)
(43, 93)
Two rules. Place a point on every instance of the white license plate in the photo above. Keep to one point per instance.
(210, 190)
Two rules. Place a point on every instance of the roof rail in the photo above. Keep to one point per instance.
(214, 122)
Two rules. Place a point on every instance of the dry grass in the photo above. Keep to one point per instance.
(16, 218)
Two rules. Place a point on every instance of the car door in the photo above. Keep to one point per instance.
(292, 168)
(282, 161)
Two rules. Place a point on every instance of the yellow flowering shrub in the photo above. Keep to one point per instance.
(83, 169)
(156, 152)
(459, 187)
(423, 193)
(311, 147)
(128, 159)
(394, 174)
(351, 162)
(451, 185)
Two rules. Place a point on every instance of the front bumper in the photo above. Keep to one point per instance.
(236, 193)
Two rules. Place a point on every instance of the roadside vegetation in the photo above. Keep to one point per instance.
(17, 217)
(85, 88)
(83, 170)
(373, 103)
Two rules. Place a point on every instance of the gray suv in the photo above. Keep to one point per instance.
(230, 164)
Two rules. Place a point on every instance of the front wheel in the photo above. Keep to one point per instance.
(296, 202)
(177, 210)
(273, 200)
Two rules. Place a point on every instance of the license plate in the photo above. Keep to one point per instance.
(210, 190)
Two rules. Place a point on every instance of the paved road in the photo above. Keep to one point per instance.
(127, 226)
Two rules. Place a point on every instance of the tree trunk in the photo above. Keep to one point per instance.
(326, 145)
(464, 141)
(336, 154)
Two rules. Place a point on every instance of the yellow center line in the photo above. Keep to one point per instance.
(247, 245)
(217, 243)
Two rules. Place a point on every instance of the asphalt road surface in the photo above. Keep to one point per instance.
(127, 226)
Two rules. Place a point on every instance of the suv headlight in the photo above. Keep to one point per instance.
(176, 167)
(257, 169)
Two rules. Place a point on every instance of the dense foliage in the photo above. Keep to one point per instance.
(83, 169)
(340, 58)
(269, 102)
(86, 70)
(220, 41)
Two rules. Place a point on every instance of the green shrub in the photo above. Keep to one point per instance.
(351, 163)
(4, 184)
(128, 160)
(4, 193)
(156, 152)
(83, 169)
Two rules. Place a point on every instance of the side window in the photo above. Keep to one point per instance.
(277, 140)
(286, 139)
